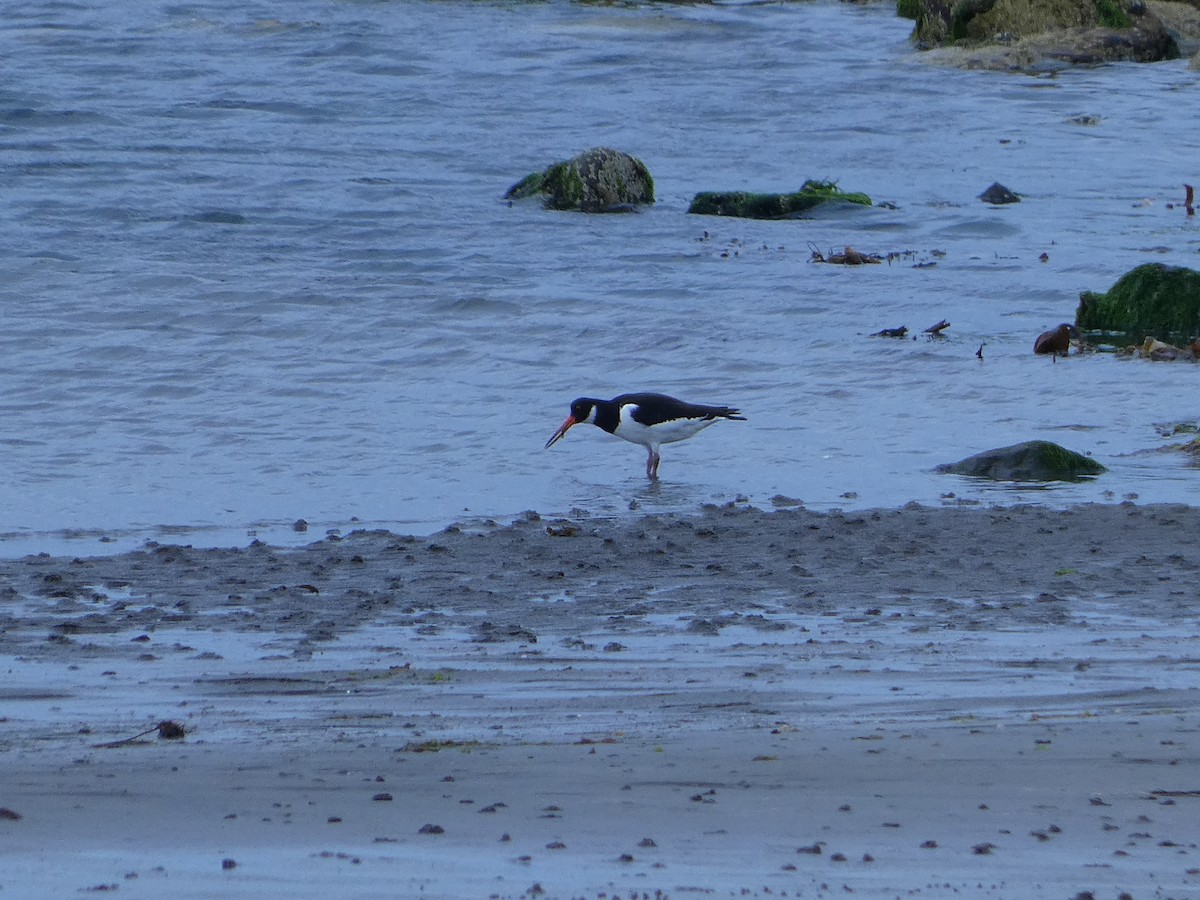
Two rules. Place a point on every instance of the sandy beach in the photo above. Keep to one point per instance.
(921, 702)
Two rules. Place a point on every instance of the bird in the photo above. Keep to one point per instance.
(1057, 340)
(645, 418)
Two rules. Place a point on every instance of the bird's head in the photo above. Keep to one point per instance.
(582, 410)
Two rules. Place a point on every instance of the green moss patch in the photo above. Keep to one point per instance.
(1111, 14)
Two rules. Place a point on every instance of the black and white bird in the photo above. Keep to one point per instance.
(646, 419)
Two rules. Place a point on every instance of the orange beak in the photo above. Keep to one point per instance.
(563, 429)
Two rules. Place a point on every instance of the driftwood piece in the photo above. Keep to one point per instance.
(167, 729)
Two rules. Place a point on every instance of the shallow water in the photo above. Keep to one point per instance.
(257, 269)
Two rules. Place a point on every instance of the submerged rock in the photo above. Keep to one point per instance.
(1029, 461)
(748, 205)
(597, 180)
(1030, 34)
(1153, 299)
(998, 194)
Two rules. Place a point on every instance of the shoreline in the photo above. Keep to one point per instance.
(941, 701)
(298, 533)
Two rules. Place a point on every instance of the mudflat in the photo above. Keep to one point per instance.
(918, 702)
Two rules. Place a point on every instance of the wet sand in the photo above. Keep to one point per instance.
(903, 703)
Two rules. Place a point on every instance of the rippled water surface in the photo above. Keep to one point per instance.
(256, 265)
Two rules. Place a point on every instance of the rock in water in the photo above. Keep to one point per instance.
(998, 194)
(1030, 461)
(747, 205)
(597, 180)
(1152, 299)
(1030, 35)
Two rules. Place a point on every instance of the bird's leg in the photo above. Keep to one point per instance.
(652, 463)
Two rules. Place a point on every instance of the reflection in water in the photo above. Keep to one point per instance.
(665, 496)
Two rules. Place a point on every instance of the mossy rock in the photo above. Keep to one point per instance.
(745, 205)
(947, 21)
(597, 180)
(1152, 300)
(1029, 461)
(1028, 34)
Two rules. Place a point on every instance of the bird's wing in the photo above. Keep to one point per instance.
(654, 409)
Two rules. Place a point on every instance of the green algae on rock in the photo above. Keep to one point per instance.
(942, 21)
(1151, 300)
(597, 180)
(1029, 34)
(1028, 461)
(746, 205)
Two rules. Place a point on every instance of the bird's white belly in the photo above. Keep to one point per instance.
(663, 433)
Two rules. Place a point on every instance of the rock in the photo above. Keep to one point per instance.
(1159, 351)
(1153, 299)
(950, 21)
(1182, 21)
(1029, 35)
(772, 206)
(1030, 461)
(998, 194)
(597, 180)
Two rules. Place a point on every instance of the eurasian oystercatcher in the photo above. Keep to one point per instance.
(646, 419)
